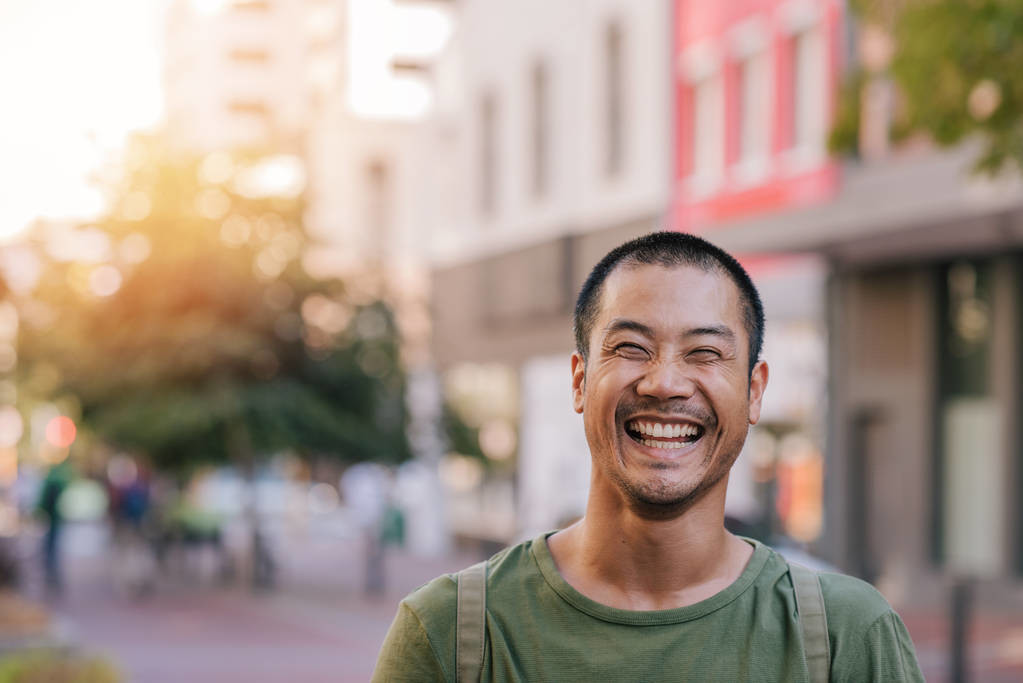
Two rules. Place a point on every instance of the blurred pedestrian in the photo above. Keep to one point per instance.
(365, 488)
(649, 585)
(54, 484)
(134, 553)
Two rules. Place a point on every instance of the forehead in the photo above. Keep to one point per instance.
(681, 294)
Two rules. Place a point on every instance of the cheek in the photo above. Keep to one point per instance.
(727, 396)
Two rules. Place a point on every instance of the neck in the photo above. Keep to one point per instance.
(625, 558)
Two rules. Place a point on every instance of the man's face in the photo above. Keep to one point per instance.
(666, 394)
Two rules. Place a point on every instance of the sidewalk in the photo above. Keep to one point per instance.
(319, 626)
(316, 626)
(995, 646)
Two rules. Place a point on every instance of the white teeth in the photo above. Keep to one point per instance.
(667, 445)
(664, 431)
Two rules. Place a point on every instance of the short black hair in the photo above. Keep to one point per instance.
(669, 249)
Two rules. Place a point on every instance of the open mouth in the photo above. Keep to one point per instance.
(666, 435)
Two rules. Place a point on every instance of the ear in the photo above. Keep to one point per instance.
(578, 381)
(757, 384)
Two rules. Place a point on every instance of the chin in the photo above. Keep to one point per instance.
(661, 500)
(658, 498)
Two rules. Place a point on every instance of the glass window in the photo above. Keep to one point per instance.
(487, 153)
(970, 454)
(378, 206)
(809, 93)
(539, 122)
(614, 104)
(708, 132)
(256, 108)
(249, 55)
(754, 118)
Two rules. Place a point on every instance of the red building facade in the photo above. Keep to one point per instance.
(755, 88)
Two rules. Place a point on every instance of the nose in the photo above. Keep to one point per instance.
(666, 380)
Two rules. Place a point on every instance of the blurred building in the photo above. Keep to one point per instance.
(584, 125)
(558, 124)
(247, 73)
(368, 155)
(923, 307)
(755, 83)
(11, 423)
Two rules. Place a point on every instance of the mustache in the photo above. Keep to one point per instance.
(679, 408)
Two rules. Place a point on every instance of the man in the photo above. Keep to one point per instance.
(648, 585)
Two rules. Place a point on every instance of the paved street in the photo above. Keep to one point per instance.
(319, 626)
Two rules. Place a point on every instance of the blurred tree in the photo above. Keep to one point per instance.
(201, 339)
(958, 67)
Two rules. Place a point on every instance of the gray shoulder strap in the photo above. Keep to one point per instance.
(470, 624)
(812, 621)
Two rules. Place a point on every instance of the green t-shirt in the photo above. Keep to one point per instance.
(539, 628)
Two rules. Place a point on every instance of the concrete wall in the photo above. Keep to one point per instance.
(512, 306)
(880, 463)
(495, 48)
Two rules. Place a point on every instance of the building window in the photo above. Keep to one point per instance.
(969, 495)
(378, 207)
(809, 92)
(249, 56)
(487, 115)
(615, 100)
(539, 121)
(708, 144)
(754, 117)
(254, 108)
(254, 5)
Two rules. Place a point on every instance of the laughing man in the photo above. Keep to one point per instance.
(649, 585)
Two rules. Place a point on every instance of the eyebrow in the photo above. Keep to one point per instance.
(623, 324)
(712, 331)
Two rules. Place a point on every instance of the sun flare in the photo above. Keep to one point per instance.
(76, 78)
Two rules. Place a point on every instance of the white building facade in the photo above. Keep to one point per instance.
(242, 73)
(557, 120)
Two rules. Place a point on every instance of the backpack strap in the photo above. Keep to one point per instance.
(813, 621)
(470, 623)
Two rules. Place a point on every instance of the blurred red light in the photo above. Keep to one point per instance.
(60, 431)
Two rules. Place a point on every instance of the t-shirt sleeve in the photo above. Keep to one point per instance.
(407, 654)
(885, 653)
(869, 642)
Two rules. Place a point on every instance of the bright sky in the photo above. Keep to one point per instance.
(75, 78)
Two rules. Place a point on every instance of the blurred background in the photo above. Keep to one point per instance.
(286, 292)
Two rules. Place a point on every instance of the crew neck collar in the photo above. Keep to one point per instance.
(545, 562)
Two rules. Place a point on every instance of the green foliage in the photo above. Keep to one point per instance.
(958, 65)
(51, 667)
(844, 137)
(462, 438)
(217, 345)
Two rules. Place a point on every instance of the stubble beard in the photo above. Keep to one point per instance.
(657, 497)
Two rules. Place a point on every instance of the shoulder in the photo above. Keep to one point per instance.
(435, 603)
(434, 599)
(851, 603)
(852, 606)
(868, 640)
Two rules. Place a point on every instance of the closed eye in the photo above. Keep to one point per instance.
(705, 354)
(630, 350)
